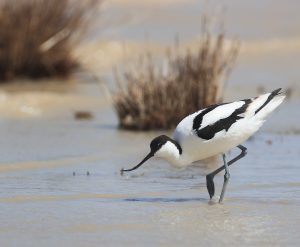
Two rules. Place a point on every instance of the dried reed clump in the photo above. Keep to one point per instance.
(153, 97)
(37, 36)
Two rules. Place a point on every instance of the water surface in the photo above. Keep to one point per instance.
(42, 203)
(47, 198)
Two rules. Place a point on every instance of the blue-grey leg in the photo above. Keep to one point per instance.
(226, 178)
(210, 177)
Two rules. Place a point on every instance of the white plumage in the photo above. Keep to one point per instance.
(195, 148)
(214, 130)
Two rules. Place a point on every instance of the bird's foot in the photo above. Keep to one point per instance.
(214, 200)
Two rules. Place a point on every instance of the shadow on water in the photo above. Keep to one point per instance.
(164, 200)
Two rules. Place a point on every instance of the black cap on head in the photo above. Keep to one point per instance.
(158, 142)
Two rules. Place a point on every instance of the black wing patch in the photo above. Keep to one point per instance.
(209, 131)
(199, 118)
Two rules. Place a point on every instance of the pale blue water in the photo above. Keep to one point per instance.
(156, 205)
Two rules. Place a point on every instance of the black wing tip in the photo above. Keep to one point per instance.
(270, 97)
(277, 91)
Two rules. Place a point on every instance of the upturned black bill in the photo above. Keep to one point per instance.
(138, 165)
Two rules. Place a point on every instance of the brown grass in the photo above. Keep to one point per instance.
(37, 36)
(148, 97)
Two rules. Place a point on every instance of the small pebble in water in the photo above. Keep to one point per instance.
(83, 115)
(269, 142)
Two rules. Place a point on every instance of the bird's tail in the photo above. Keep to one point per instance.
(267, 103)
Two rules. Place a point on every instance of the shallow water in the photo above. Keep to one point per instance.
(42, 203)
(47, 198)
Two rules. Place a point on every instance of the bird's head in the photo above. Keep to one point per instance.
(160, 147)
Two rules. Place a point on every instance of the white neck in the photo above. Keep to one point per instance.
(169, 152)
